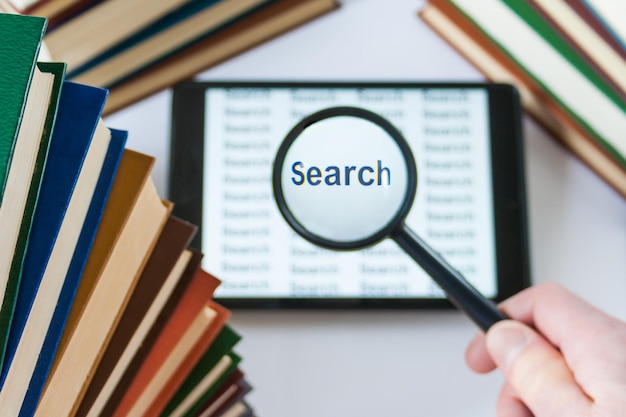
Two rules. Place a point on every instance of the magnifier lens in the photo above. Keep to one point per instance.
(344, 179)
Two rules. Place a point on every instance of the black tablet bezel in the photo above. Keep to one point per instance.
(509, 190)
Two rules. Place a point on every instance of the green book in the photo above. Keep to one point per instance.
(532, 44)
(197, 387)
(21, 38)
(48, 105)
(547, 31)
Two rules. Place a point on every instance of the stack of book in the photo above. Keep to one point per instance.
(105, 308)
(566, 57)
(135, 48)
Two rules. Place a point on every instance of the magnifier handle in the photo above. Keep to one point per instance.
(460, 292)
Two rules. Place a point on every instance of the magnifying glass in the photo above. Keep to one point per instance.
(345, 178)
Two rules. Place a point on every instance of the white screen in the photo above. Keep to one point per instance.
(250, 247)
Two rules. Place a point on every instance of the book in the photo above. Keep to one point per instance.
(18, 56)
(232, 390)
(478, 49)
(598, 26)
(239, 409)
(131, 222)
(173, 360)
(22, 188)
(72, 279)
(268, 22)
(22, 5)
(190, 360)
(202, 381)
(170, 385)
(189, 322)
(72, 170)
(591, 44)
(94, 403)
(165, 266)
(186, 25)
(513, 25)
(50, 8)
(209, 383)
(610, 14)
(57, 71)
(91, 32)
(151, 338)
(70, 11)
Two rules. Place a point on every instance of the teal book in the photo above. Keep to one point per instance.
(197, 388)
(21, 39)
(35, 149)
(72, 168)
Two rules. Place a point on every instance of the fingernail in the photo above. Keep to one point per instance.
(505, 341)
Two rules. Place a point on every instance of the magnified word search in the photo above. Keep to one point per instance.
(345, 178)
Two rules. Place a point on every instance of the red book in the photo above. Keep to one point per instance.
(187, 334)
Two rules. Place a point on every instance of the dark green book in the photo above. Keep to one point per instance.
(21, 39)
(221, 347)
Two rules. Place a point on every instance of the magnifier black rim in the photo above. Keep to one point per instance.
(397, 219)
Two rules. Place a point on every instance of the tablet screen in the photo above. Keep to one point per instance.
(258, 254)
(250, 247)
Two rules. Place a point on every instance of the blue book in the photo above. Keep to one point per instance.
(50, 244)
(77, 265)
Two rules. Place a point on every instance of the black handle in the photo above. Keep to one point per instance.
(460, 292)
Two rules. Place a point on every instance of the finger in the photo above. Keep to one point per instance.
(477, 357)
(535, 370)
(510, 405)
(574, 326)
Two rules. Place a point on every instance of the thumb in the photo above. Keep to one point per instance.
(535, 369)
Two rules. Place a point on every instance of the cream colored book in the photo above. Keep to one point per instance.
(139, 335)
(208, 381)
(165, 42)
(103, 26)
(260, 26)
(44, 304)
(21, 170)
(131, 223)
(173, 361)
(488, 59)
(587, 39)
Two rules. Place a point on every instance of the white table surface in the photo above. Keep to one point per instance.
(382, 363)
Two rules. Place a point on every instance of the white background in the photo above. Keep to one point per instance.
(382, 363)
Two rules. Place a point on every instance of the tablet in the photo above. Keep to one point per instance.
(470, 204)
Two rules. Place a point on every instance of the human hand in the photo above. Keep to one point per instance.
(560, 357)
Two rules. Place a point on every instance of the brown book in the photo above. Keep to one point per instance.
(250, 31)
(191, 320)
(171, 245)
(479, 50)
(131, 223)
(140, 356)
